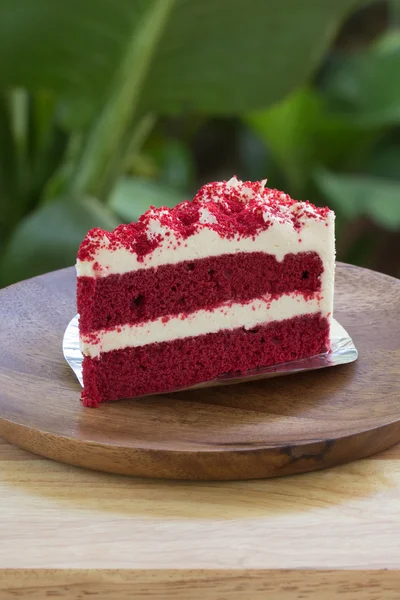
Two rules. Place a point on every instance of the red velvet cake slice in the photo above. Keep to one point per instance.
(239, 278)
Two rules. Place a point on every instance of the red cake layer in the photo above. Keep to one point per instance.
(157, 368)
(189, 286)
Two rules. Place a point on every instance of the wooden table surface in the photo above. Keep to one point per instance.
(70, 533)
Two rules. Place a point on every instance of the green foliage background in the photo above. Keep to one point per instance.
(108, 107)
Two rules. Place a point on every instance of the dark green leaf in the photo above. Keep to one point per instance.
(255, 160)
(8, 166)
(288, 129)
(366, 88)
(137, 57)
(132, 197)
(301, 133)
(228, 56)
(176, 165)
(356, 195)
(384, 160)
(71, 47)
(223, 56)
(48, 238)
(394, 12)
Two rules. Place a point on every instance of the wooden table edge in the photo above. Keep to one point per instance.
(204, 584)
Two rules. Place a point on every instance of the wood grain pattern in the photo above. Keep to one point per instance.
(70, 533)
(209, 585)
(265, 428)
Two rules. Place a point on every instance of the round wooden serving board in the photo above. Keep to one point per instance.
(261, 429)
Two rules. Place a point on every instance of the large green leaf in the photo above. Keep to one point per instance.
(301, 133)
(68, 46)
(356, 195)
(366, 87)
(132, 58)
(132, 197)
(223, 56)
(48, 238)
(228, 56)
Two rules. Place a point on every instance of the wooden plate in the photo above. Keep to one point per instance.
(261, 429)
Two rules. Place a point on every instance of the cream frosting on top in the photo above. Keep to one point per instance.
(232, 209)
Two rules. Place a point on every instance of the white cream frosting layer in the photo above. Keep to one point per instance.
(278, 240)
(257, 312)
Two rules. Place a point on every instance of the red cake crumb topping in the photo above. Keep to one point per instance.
(231, 208)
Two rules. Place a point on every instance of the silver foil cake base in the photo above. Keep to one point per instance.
(343, 351)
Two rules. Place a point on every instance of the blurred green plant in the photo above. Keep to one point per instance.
(338, 142)
(84, 84)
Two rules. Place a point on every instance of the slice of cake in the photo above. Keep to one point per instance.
(239, 278)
